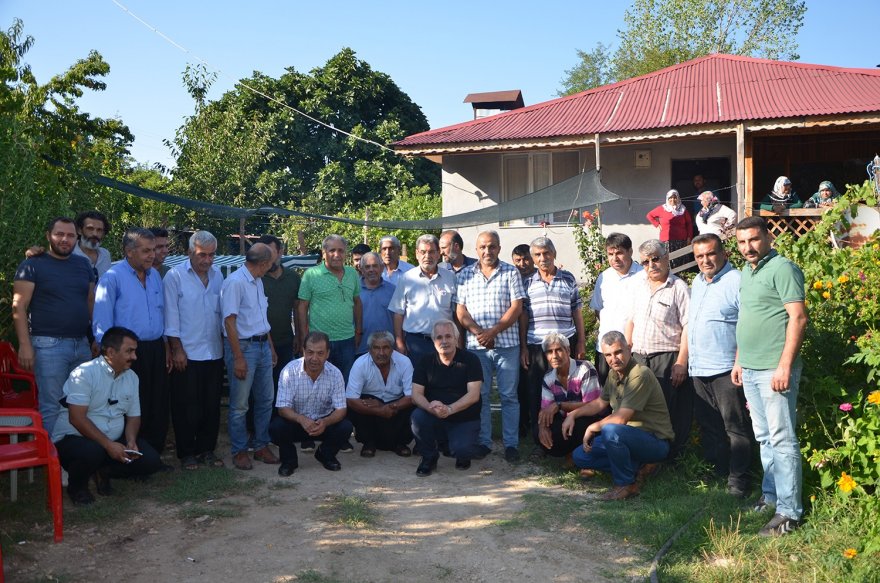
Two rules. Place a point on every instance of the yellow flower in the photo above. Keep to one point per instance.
(846, 483)
(828, 285)
(813, 498)
(850, 553)
(843, 278)
(874, 397)
(826, 295)
(818, 285)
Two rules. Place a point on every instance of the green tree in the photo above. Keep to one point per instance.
(662, 33)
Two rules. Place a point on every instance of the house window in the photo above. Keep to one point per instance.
(526, 173)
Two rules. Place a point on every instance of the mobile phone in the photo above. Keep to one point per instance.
(133, 452)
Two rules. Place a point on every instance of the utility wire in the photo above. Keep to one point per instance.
(186, 51)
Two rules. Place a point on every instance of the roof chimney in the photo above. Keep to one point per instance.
(493, 102)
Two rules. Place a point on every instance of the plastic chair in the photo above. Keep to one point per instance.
(39, 451)
(18, 388)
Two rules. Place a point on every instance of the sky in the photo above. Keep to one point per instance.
(436, 52)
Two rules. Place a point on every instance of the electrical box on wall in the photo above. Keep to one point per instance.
(643, 158)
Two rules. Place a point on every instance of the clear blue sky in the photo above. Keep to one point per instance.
(437, 52)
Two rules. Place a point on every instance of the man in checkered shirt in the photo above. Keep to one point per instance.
(489, 300)
(311, 406)
(656, 328)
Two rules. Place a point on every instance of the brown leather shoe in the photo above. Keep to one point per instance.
(587, 474)
(242, 461)
(645, 472)
(620, 493)
(266, 455)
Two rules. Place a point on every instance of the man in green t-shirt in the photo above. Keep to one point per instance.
(631, 441)
(769, 334)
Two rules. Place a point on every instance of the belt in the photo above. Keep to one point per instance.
(260, 338)
(425, 336)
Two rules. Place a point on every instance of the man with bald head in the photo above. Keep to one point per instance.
(249, 355)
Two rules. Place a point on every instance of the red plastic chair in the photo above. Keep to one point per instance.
(39, 451)
(18, 388)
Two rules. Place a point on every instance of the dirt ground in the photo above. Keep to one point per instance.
(446, 527)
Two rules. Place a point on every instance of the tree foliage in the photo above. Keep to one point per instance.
(246, 150)
(662, 33)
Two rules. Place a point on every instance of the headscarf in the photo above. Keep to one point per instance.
(712, 208)
(778, 196)
(827, 184)
(676, 211)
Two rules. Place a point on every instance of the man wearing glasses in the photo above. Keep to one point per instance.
(656, 329)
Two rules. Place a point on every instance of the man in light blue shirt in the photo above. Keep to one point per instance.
(193, 327)
(376, 294)
(379, 397)
(390, 250)
(249, 355)
(130, 294)
(720, 406)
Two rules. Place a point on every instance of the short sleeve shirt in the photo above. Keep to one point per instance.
(281, 293)
(640, 391)
(551, 304)
(242, 295)
(423, 299)
(331, 301)
(314, 399)
(487, 299)
(448, 384)
(374, 311)
(611, 298)
(764, 291)
(59, 304)
(658, 316)
(365, 378)
(582, 387)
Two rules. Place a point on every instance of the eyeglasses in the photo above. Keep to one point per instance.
(650, 260)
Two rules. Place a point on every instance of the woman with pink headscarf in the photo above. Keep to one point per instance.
(714, 217)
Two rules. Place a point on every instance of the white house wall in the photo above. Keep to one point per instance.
(473, 181)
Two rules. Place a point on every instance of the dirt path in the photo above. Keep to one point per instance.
(451, 526)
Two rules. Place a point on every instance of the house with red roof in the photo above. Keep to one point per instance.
(739, 122)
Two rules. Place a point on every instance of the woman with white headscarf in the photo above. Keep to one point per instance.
(675, 222)
(782, 197)
(714, 217)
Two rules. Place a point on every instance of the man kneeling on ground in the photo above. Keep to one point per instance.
(379, 397)
(631, 441)
(570, 385)
(96, 431)
(311, 405)
(446, 390)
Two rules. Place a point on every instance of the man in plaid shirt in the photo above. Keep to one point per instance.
(489, 300)
(311, 406)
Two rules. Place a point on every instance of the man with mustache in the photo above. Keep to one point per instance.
(92, 227)
(53, 297)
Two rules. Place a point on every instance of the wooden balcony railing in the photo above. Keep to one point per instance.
(795, 221)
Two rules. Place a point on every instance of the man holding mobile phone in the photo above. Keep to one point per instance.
(96, 432)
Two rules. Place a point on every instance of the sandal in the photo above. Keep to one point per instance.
(211, 460)
(190, 462)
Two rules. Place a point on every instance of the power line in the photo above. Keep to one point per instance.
(186, 51)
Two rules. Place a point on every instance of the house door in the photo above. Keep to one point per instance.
(715, 173)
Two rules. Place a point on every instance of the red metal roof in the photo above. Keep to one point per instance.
(708, 90)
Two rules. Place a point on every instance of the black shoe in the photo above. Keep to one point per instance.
(779, 525)
(347, 447)
(102, 482)
(368, 450)
(480, 452)
(307, 445)
(163, 467)
(329, 462)
(462, 464)
(443, 447)
(761, 505)
(426, 466)
(81, 497)
(737, 492)
(511, 454)
(285, 469)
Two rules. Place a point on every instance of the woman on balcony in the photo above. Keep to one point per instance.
(675, 222)
(714, 217)
(782, 197)
(826, 197)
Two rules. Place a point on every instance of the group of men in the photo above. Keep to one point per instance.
(395, 351)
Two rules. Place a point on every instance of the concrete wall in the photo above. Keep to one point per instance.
(474, 181)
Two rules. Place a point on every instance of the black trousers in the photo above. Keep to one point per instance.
(538, 367)
(153, 390)
(602, 368)
(385, 434)
(286, 433)
(82, 457)
(195, 406)
(679, 400)
(562, 446)
(725, 426)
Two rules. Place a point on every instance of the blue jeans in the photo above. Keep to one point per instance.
(428, 430)
(54, 359)
(342, 356)
(418, 347)
(258, 381)
(621, 450)
(504, 363)
(774, 422)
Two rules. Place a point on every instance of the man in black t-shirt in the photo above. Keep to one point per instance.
(53, 297)
(446, 392)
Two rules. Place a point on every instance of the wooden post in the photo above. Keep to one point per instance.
(301, 241)
(241, 249)
(366, 218)
(598, 158)
(741, 170)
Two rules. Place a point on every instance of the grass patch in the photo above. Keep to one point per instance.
(282, 485)
(352, 511)
(211, 511)
(200, 485)
(545, 511)
(312, 576)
